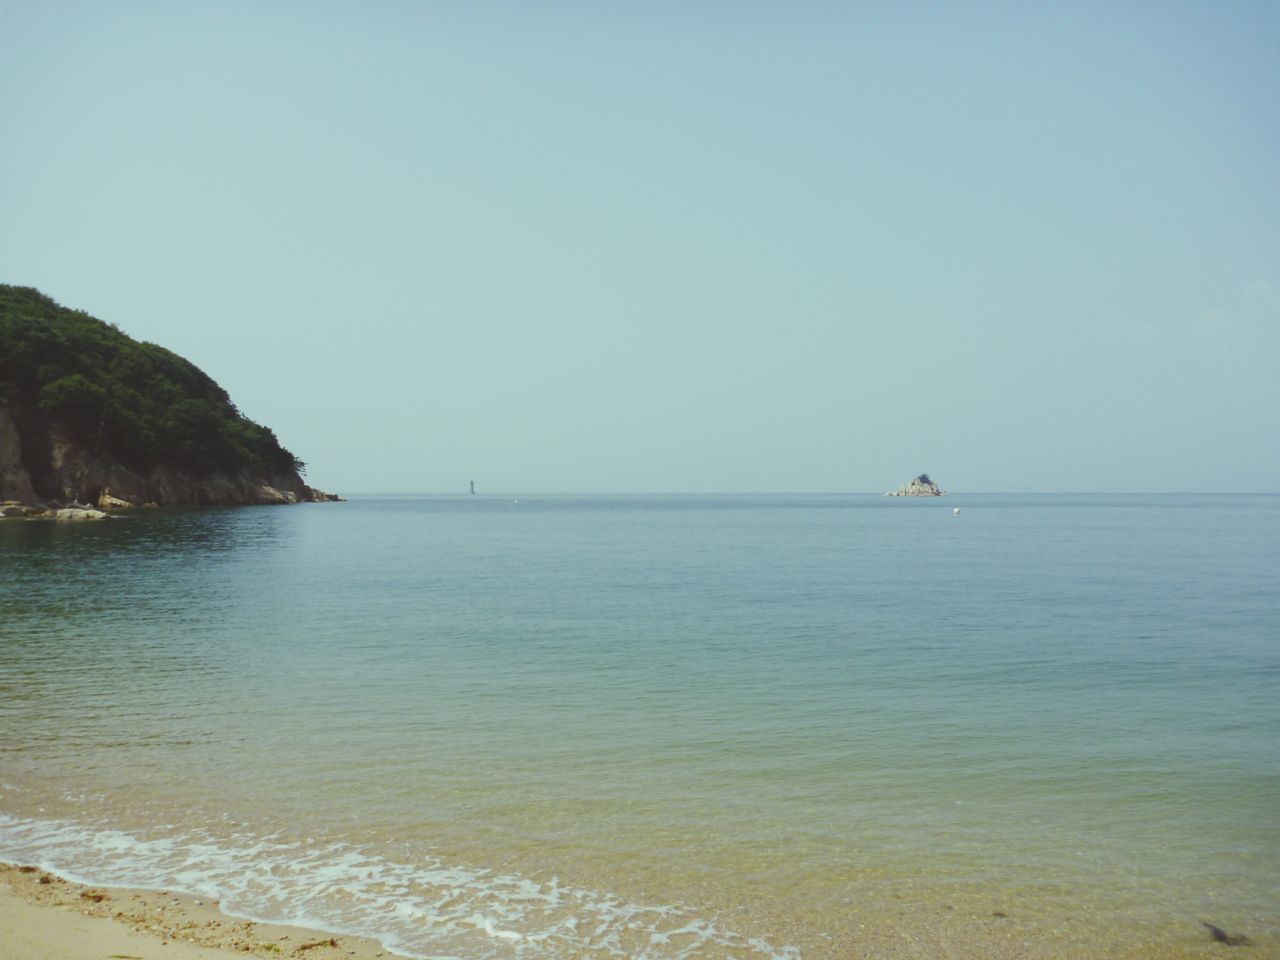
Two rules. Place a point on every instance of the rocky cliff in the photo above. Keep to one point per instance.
(89, 416)
(67, 472)
(921, 486)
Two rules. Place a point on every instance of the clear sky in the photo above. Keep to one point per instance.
(694, 246)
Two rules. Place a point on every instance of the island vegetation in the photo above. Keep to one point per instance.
(84, 407)
(136, 403)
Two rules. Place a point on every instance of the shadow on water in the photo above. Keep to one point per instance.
(110, 570)
(89, 609)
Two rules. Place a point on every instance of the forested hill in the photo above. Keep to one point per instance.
(92, 408)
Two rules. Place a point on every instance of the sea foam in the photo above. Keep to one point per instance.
(426, 909)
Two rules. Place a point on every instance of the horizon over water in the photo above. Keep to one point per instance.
(663, 725)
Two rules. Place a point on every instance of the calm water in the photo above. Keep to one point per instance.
(825, 726)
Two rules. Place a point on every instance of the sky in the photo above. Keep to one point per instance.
(677, 247)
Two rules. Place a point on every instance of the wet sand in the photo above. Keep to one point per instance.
(44, 917)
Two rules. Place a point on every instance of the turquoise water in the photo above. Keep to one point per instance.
(663, 727)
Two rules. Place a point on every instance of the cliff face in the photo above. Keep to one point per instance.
(15, 479)
(41, 464)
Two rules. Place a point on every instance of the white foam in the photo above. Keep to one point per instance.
(424, 909)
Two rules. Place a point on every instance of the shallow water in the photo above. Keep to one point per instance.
(663, 727)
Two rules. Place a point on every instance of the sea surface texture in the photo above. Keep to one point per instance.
(664, 727)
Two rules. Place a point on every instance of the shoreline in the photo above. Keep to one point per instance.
(44, 916)
(47, 917)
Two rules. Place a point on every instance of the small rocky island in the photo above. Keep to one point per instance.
(92, 421)
(921, 486)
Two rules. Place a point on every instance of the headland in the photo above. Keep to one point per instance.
(93, 421)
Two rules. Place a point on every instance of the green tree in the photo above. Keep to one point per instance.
(137, 402)
(75, 402)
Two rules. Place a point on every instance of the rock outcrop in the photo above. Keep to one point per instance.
(78, 513)
(921, 486)
(15, 481)
(47, 475)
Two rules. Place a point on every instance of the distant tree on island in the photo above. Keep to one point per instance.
(924, 479)
(137, 402)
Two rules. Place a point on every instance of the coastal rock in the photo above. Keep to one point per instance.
(14, 509)
(921, 486)
(76, 473)
(79, 513)
(68, 471)
(270, 494)
(1221, 936)
(106, 501)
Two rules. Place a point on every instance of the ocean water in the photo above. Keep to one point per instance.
(663, 727)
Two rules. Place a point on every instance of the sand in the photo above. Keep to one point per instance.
(43, 917)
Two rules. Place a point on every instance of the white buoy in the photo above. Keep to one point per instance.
(955, 511)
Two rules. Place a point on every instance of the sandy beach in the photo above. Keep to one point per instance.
(44, 917)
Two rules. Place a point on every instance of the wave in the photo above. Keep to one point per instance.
(425, 909)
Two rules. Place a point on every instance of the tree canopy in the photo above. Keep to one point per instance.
(136, 402)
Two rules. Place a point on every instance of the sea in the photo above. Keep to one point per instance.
(663, 727)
